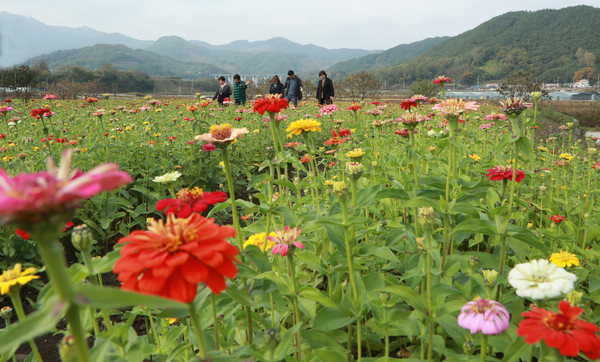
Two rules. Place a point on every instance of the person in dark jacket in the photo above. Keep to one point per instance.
(276, 86)
(325, 91)
(293, 88)
(224, 91)
(239, 90)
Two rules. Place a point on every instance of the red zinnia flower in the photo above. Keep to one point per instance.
(500, 173)
(188, 201)
(561, 330)
(41, 112)
(557, 218)
(22, 233)
(402, 132)
(272, 103)
(408, 104)
(354, 107)
(207, 147)
(171, 258)
(305, 159)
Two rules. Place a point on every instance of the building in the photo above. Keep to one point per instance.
(583, 83)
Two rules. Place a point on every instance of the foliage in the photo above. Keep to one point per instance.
(521, 84)
(425, 87)
(358, 86)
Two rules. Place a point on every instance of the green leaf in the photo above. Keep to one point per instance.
(504, 141)
(476, 226)
(525, 149)
(408, 294)
(328, 319)
(241, 296)
(318, 296)
(421, 201)
(106, 298)
(35, 324)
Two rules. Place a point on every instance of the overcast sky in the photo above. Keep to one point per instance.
(364, 24)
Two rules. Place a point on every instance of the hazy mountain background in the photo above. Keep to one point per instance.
(553, 43)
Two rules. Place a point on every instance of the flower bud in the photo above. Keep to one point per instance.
(536, 95)
(490, 275)
(574, 297)
(474, 263)
(6, 312)
(384, 298)
(468, 348)
(354, 170)
(272, 338)
(82, 237)
(67, 350)
(426, 216)
(340, 189)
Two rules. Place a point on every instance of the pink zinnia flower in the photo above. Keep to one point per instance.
(455, 107)
(285, 239)
(33, 197)
(49, 96)
(328, 109)
(485, 316)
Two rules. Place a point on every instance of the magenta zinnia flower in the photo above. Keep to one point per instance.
(33, 197)
(285, 239)
(500, 173)
(485, 316)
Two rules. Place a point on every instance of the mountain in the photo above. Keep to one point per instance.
(272, 56)
(553, 43)
(124, 58)
(389, 57)
(22, 38)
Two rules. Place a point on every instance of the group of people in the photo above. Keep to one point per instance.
(291, 90)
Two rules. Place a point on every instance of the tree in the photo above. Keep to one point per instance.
(359, 86)
(521, 84)
(425, 87)
(585, 58)
(584, 73)
(468, 78)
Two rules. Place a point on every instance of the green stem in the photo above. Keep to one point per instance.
(199, 335)
(429, 302)
(54, 259)
(16, 301)
(238, 231)
(155, 333)
(484, 339)
(292, 273)
(215, 320)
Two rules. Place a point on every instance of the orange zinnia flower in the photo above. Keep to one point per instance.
(171, 258)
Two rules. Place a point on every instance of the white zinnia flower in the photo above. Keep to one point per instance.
(167, 177)
(540, 279)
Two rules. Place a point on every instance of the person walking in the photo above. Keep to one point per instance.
(293, 88)
(325, 91)
(276, 86)
(224, 91)
(239, 90)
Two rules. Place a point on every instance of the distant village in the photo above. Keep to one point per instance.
(577, 91)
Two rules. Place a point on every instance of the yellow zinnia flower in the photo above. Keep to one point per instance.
(10, 278)
(474, 157)
(304, 125)
(564, 259)
(356, 153)
(258, 240)
(566, 156)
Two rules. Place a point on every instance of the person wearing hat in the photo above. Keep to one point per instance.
(293, 88)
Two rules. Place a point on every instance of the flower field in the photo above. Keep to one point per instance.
(431, 229)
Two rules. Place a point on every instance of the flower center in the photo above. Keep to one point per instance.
(558, 322)
(190, 196)
(221, 131)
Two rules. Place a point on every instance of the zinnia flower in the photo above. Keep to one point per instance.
(188, 201)
(408, 104)
(222, 134)
(564, 259)
(557, 218)
(356, 153)
(258, 240)
(33, 197)
(272, 103)
(285, 239)
(514, 106)
(563, 330)
(410, 120)
(171, 258)
(540, 279)
(168, 177)
(328, 109)
(303, 125)
(442, 79)
(207, 147)
(485, 316)
(15, 277)
(500, 173)
(455, 107)
(354, 107)
(566, 156)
